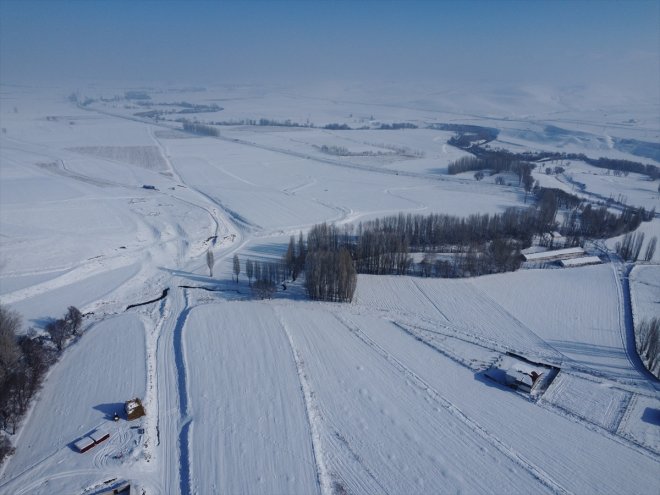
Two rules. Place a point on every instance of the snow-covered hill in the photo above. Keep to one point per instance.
(383, 395)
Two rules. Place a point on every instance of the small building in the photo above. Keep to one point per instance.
(522, 375)
(519, 380)
(84, 444)
(583, 261)
(134, 409)
(100, 435)
(557, 254)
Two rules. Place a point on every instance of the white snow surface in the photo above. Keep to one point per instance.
(584, 260)
(383, 395)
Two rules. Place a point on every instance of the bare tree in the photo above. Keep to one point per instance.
(290, 258)
(264, 289)
(300, 257)
(637, 248)
(528, 183)
(237, 266)
(257, 270)
(58, 333)
(210, 261)
(649, 344)
(10, 353)
(650, 249)
(249, 270)
(73, 320)
(6, 448)
(330, 275)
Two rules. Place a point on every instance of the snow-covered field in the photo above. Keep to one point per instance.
(645, 289)
(383, 395)
(82, 393)
(633, 189)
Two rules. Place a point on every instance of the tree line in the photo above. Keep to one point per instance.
(473, 141)
(324, 260)
(451, 246)
(330, 273)
(496, 164)
(589, 222)
(24, 361)
(648, 344)
(202, 129)
(267, 275)
(630, 248)
(455, 246)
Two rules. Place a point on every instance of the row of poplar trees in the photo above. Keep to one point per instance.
(328, 266)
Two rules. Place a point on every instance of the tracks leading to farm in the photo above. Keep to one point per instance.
(419, 383)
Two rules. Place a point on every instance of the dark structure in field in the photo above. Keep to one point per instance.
(134, 409)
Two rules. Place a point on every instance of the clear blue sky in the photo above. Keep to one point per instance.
(561, 41)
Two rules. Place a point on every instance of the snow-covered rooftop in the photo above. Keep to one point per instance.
(585, 260)
(557, 253)
(84, 443)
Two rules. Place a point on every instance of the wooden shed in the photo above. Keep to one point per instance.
(134, 409)
(84, 444)
(521, 374)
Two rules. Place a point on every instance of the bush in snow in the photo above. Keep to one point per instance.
(6, 448)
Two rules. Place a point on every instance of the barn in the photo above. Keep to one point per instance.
(583, 261)
(554, 255)
(519, 380)
(134, 409)
(520, 374)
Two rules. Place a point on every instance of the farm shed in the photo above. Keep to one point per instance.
(517, 379)
(583, 261)
(557, 254)
(100, 435)
(121, 488)
(521, 374)
(84, 444)
(134, 409)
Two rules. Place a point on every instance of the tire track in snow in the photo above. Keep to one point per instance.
(428, 298)
(313, 416)
(488, 301)
(184, 432)
(621, 274)
(418, 382)
(153, 344)
(436, 347)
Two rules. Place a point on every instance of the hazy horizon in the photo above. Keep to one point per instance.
(476, 43)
